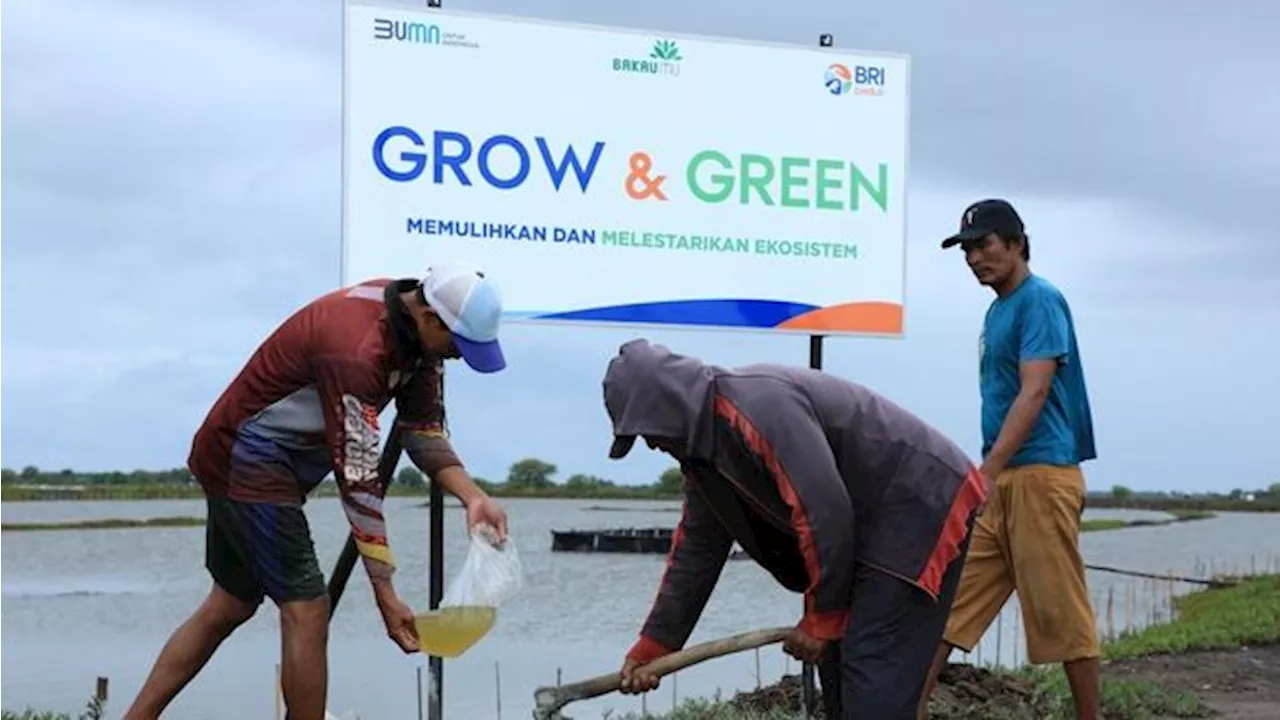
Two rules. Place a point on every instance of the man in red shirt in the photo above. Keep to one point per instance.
(307, 403)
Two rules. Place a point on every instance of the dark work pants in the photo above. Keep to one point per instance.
(877, 670)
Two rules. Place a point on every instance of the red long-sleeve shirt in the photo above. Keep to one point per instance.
(307, 403)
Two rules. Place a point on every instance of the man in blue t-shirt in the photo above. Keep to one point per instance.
(1036, 430)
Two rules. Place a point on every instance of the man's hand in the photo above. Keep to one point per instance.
(484, 511)
(481, 509)
(635, 680)
(989, 474)
(799, 645)
(398, 617)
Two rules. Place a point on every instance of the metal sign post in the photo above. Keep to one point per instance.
(809, 692)
(806, 670)
(436, 591)
(435, 708)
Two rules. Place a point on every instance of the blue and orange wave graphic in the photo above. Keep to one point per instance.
(868, 317)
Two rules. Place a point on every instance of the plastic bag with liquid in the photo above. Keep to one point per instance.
(490, 574)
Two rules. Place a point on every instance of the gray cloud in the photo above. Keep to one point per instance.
(172, 190)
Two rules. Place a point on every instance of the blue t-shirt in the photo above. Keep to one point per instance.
(1034, 323)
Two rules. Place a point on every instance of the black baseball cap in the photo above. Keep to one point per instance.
(985, 217)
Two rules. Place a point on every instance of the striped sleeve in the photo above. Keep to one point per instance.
(699, 548)
(421, 415)
(349, 395)
(780, 429)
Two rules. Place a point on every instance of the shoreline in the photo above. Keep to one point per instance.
(140, 493)
(106, 524)
(191, 522)
(1096, 525)
(1224, 643)
(621, 493)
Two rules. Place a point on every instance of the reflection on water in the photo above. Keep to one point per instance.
(80, 604)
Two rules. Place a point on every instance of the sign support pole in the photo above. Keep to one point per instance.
(346, 561)
(808, 690)
(435, 708)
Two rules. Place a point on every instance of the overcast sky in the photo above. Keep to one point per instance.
(171, 192)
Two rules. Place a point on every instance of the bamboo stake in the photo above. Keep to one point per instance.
(497, 687)
(1129, 600)
(1111, 612)
(1017, 623)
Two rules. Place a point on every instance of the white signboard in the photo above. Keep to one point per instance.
(609, 176)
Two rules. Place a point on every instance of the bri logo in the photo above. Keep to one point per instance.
(840, 79)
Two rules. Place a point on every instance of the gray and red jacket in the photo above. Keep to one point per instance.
(808, 472)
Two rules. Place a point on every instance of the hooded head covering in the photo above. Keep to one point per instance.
(651, 391)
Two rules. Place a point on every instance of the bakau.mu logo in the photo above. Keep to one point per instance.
(664, 59)
(419, 33)
(839, 79)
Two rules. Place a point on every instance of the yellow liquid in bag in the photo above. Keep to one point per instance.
(450, 631)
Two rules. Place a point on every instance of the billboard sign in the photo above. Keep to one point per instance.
(607, 176)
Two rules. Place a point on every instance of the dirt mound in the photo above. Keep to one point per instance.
(964, 693)
(782, 695)
(1230, 684)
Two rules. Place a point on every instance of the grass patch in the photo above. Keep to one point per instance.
(94, 710)
(1117, 524)
(1107, 524)
(1141, 699)
(105, 524)
(1246, 614)
(1122, 698)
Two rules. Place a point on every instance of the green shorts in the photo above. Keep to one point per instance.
(262, 549)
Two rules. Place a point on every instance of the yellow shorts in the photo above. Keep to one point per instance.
(1027, 539)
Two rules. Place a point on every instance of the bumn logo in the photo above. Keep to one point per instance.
(414, 32)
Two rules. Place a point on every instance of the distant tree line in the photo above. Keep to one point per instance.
(31, 475)
(533, 477)
(530, 477)
(1238, 499)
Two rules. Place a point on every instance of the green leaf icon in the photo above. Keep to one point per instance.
(665, 50)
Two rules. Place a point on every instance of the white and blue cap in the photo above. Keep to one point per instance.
(471, 307)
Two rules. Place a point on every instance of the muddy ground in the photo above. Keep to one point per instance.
(1232, 685)
(1235, 684)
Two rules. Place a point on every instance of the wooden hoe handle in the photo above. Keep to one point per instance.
(549, 700)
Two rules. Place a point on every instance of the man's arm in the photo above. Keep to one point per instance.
(1042, 346)
(778, 426)
(348, 392)
(421, 413)
(699, 548)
